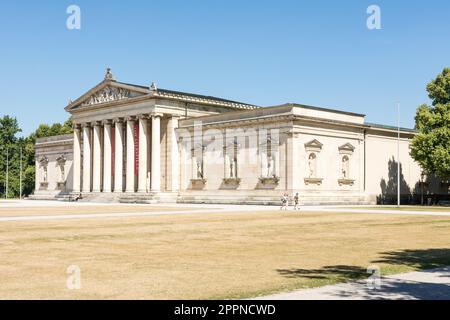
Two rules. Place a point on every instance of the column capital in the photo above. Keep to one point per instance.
(85, 125)
(156, 115)
(117, 120)
(107, 122)
(130, 118)
(96, 123)
(145, 116)
(76, 126)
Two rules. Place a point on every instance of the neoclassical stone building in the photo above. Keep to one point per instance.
(136, 143)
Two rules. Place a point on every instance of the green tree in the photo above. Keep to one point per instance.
(9, 128)
(45, 130)
(431, 146)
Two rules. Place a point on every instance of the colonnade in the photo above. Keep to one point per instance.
(100, 159)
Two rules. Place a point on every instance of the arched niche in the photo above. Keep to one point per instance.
(345, 164)
(313, 149)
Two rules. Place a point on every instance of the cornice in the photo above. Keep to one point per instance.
(200, 100)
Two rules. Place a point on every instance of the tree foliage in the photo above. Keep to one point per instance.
(55, 129)
(431, 147)
(9, 143)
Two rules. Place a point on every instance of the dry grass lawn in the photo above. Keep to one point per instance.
(224, 255)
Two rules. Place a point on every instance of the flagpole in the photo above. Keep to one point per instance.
(398, 154)
(7, 172)
(20, 175)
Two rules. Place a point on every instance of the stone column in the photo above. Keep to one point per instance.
(361, 163)
(173, 155)
(292, 155)
(275, 148)
(277, 167)
(86, 158)
(240, 160)
(97, 158)
(118, 160)
(129, 188)
(183, 164)
(228, 154)
(226, 164)
(143, 154)
(263, 161)
(107, 148)
(156, 153)
(76, 159)
(194, 164)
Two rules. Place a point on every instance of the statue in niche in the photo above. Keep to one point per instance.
(44, 164)
(312, 165)
(199, 169)
(45, 175)
(233, 171)
(345, 167)
(270, 166)
(62, 171)
(61, 160)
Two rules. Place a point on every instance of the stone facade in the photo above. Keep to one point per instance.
(144, 144)
(54, 167)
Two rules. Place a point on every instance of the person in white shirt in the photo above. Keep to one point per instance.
(284, 202)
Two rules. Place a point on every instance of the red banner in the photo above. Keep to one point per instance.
(136, 149)
(113, 150)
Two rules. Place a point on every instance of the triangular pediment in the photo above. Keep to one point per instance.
(347, 147)
(106, 92)
(314, 144)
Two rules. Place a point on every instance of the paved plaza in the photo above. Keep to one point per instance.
(167, 209)
(422, 285)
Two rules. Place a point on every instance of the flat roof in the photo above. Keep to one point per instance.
(194, 95)
(321, 109)
(383, 126)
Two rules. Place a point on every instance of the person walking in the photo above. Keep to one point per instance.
(296, 202)
(284, 202)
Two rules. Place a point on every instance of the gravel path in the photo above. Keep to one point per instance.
(421, 285)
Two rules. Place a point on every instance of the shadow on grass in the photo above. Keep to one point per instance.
(427, 259)
(339, 272)
(419, 259)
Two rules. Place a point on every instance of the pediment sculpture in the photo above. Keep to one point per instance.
(107, 94)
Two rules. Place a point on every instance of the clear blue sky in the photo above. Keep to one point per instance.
(263, 52)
